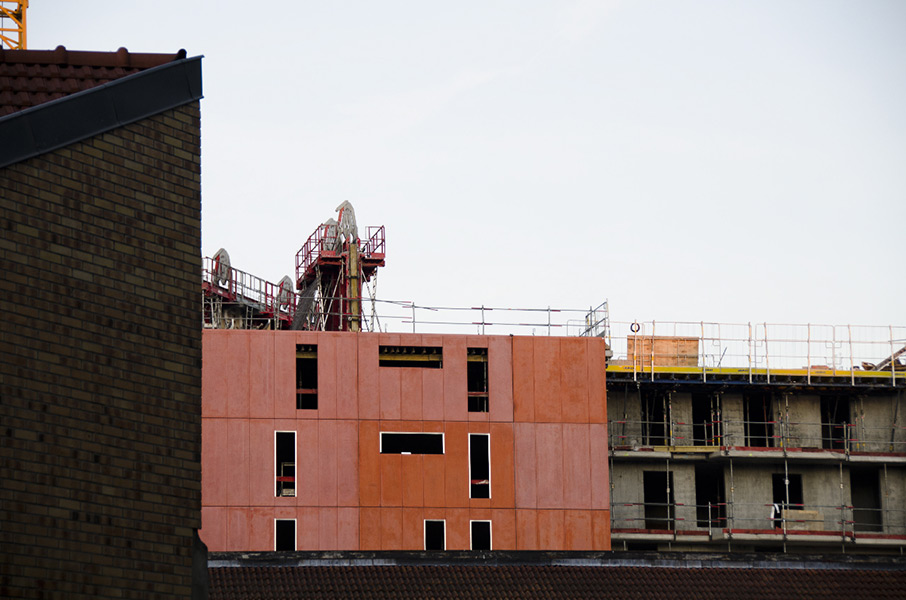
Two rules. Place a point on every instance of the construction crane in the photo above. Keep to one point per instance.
(12, 24)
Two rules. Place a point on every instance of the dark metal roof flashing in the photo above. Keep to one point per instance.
(58, 123)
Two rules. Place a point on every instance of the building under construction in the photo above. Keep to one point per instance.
(747, 437)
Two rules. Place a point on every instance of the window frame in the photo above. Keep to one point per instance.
(471, 479)
(490, 534)
(294, 463)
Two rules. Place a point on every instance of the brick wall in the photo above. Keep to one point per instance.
(100, 364)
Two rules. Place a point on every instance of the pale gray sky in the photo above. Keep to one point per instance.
(697, 160)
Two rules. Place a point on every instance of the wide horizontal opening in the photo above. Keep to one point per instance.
(423, 357)
(412, 443)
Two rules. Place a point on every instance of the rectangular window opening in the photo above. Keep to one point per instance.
(710, 496)
(865, 487)
(657, 490)
(306, 377)
(706, 420)
(479, 465)
(412, 443)
(477, 379)
(759, 421)
(480, 535)
(654, 417)
(285, 535)
(786, 491)
(285, 461)
(834, 419)
(423, 357)
(435, 535)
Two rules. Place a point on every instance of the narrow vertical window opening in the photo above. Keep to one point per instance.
(435, 535)
(480, 535)
(306, 377)
(479, 465)
(285, 535)
(285, 461)
(477, 379)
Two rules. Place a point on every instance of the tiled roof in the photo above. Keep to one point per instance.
(32, 77)
(465, 582)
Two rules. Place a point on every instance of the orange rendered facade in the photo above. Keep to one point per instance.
(546, 422)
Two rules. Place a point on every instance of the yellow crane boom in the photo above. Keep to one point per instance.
(12, 24)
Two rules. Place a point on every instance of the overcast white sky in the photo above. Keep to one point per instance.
(696, 160)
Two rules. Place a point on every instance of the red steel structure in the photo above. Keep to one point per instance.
(318, 440)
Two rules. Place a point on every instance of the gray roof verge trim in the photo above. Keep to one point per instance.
(58, 123)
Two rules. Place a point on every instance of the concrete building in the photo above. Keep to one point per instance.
(100, 347)
(718, 443)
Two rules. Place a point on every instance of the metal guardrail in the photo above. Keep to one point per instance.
(642, 348)
(780, 434)
(781, 518)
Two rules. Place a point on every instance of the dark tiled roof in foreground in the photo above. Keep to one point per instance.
(736, 580)
(32, 77)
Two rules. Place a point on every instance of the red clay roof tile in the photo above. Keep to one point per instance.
(32, 77)
(457, 582)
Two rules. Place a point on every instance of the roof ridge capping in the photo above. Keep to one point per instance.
(82, 58)
(57, 123)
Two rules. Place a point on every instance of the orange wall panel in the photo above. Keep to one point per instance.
(574, 380)
(457, 528)
(413, 483)
(523, 380)
(432, 394)
(262, 485)
(347, 528)
(391, 528)
(308, 528)
(455, 383)
(327, 463)
(327, 379)
(503, 529)
(284, 379)
(368, 389)
(347, 463)
(526, 482)
(546, 372)
(390, 385)
(215, 365)
(213, 531)
(410, 393)
(262, 371)
(370, 528)
(214, 465)
(597, 391)
(600, 475)
(369, 463)
(347, 377)
(237, 455)
(327, 528)
(456, 469)
(391, 480)
(576, 455)
(577, 525)
(435, 484)
(413, 537)
(503, 491)
(308, 463)
(549, 464)
(500, 378)
(527, 530)
(552, 529)
(600, 526)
